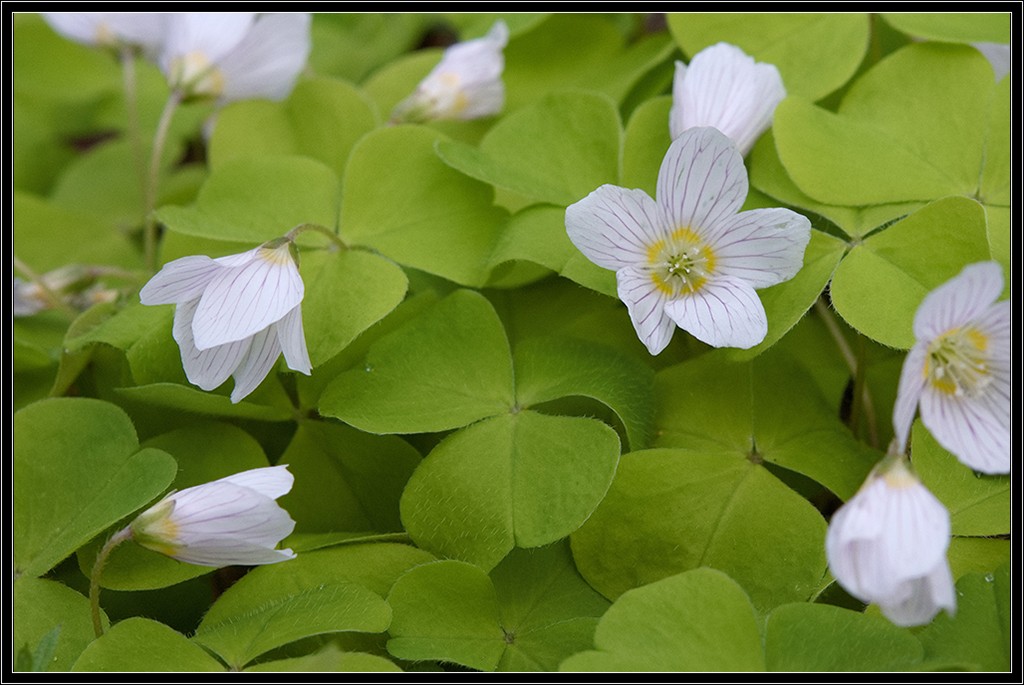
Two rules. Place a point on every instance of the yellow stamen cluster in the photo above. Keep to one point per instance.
(680, 264)
(957, 362)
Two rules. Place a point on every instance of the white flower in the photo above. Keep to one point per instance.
(998, 55)
(234, 520)
(145, 30)
(887, 546)
(235, 55)
(689, 259)
(466, 83)
(725, 88)
(959, 370)
(235, 315)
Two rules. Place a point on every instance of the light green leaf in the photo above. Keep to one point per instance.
(548, 611)
(819, 637)
(700, 620)
(707, 405)
(554, 367)
(205, 451)
(280, 603)
(645, 143)
(400, 199)
(900, 265)
(48, 237)
(446, 610)
(960, 27)
(977, 555)
(321, 119)
(258, 199)
(556, 150)
(978, 504)
(815, 53)
(912, 128)
(537, 234)
(330, 659)
(446, 368)
(39, 607)
(786, 303)
(179, 397)
(79, 470)
(522, 479)
(140, 644)
(674, 510)
(980, 633)
(345, 479)
(347, 291)
(351, 45)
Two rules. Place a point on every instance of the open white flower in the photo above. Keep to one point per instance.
(689, 259)
(959, 370)
(887, 546)
(234, 520)
(144, 30)
(465, 84)
(235, 55)
(725, 88)
(235, 315)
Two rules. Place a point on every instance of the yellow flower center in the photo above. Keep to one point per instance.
(957, 362)
(680, 264)
(197, 74)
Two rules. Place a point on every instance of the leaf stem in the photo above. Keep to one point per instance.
(153, 180)
(862, 401)
(97, 569)
(301, 228)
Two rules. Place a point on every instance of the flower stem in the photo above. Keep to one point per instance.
(301, 228)
(131, 106)
(153, 180)
(861, 394)
(97, 569)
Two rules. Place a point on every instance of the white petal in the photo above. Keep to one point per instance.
(761, 246)
(959, 300)
(924, 598)
(178, 281)
(83, 27)
(702, 180)
(270, 481)
(975, 429)
(224, 509)
(292, 340)
(206, 368)
(917, 528)
(999, 56)
(725, 88)
(257, 364)
(646, 305)
(232, 553)
(912, 382)
(148, 30)
(210, 34)
(269, 59)
(725, 312)
(242, 301)
(614, 227)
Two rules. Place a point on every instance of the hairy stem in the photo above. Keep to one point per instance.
(153, 180)
(97, 569)
(862, 402)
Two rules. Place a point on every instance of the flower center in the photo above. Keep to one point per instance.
(197, 74)
(680, 264)
(957, 362)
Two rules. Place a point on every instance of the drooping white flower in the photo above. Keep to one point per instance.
(235, 55)
(144, 30)
(887, 546)
(959, 370)
(235, 315)
(998, 55)
(465, 84)
(725, 88)
(234, 520)
(689, 259)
